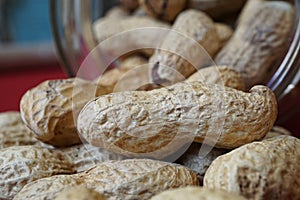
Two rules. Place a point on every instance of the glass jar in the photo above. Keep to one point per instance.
(72, 23)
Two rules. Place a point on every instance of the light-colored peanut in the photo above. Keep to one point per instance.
(185, 48)
(48, 109)
(155, 123)
(118, 180)
(224, 32)
(259, 40)
(120, 44)
(20, 165)
(79, 193)
(198, 163)
(13, 132)
(216, 8)
(269, 169)
(221, 75)
(23, 164)
(196, 193)
(166, 10)
(130, 4)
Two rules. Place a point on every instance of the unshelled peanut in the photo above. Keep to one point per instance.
(48, 109)
(221, 75)
(13, 131)
(162, 9)
(259, 40)
(125, 121)
(196, 193)
(224, 32)
(130, 4)
(185, 48)
(118, 180)
(268, 170)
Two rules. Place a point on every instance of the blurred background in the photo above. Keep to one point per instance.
(28, 57)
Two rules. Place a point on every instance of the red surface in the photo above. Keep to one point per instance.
(14, 83)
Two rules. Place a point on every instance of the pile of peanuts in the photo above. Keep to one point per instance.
(108, 139)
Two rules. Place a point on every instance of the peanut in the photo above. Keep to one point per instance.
(105, 28)
(79, 193)
(269, 169)
(24, 164)
(130, 4)
(178, 56)
(221, 75)
(124, 122)
(196, 193)
(13, 132)
(127, 179)
(166, 10)
(224, 32)
(216, 8)
(48, 109)
(258, 41)
(198, 163)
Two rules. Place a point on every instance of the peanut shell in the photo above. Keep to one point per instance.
(130, 4)
(184, 49)
(259, 40)
(117, 12)
(48, 109)
(153, 123)
(260, 170)
(196, 193)
(118, 180)
(224, 32)
(166, 10)
(277, 131)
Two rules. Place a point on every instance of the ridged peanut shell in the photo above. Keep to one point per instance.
(268, 170)
(259, 41)
(13, 131)
(156, 122)
(196, 193)
(224, 32)
(24, 164)
(48, 109)
(189, 46)
(118, 180)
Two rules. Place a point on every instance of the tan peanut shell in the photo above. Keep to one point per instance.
(48, 109)
(268, 170)
(130, 4)
(166, 10)
(79, 193)
(221, 75)
(193, 159)
(156, 122)
(216, 8)
(23, 164)
(224, 32)
(196, 193)
(277, 131)
(118, 180)
(13, 132)
(119, 44)
(259, 40)
(182, 51)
